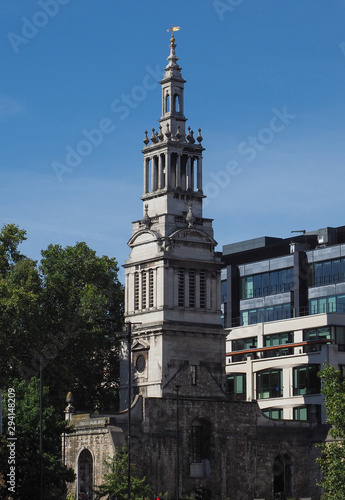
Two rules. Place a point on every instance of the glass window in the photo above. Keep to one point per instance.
(317, 333)
(278, 312)
(336, 271)
(223, 291)
(327, 272)
(290, 277)
(236, 387)
(335, 303)
(274, 413)
(313, 306)
(331, 304)
(253, 317)
(266, 284)
(318, 273)
(286, 311)
(244, 318)
(282, 280)
(263, 314)
(257, 285)
(248, 287)
(274, 279)
(269, 384)
(300, 413)
(311, 413)
(270, 283)
(340, 337)
(341, 303)
(306, 380)
(277, 340)
(323, 305)
(245, 343)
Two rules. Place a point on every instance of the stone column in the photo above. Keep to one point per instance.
(178, 170)
(189, 173)
(153, 174)
(167, 169)
(160, 173)
(146, 174)
(199, 173)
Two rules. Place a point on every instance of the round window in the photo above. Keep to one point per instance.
(140, 363)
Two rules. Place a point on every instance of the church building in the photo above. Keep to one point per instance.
(183, 433)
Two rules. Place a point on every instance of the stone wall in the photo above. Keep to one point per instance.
(240, 462)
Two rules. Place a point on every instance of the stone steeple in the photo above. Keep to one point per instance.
(172, 95)
(172, 295)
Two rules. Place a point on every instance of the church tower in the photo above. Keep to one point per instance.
(172, 276)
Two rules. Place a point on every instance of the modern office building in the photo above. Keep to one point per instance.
(283, 303)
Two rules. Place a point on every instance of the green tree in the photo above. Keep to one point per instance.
(64, 314)
(10, 238)
(25, 428)
(65, 311)
(82, 310)
(332, 461)
(20, 306)
(115, 482)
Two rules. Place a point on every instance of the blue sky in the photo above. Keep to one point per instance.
(265, 83)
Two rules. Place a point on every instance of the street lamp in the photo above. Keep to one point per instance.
(129, 340)
(177, 444)
(129, 343)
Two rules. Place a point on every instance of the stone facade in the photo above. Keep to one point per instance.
(241, 455)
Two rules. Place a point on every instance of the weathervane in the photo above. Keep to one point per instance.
(172, 29)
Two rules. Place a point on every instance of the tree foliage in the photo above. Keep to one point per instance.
(26, 456)
(332, 461)
(115, 482)
(65, 311)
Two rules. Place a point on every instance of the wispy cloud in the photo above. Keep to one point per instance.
(9, 106)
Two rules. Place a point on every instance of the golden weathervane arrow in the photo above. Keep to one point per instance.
(174, 28)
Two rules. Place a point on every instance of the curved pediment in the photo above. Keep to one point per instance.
(144, 236)
(192, 234)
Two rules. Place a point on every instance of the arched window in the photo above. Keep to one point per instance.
(176, 103)
(85, 474)
(282, 476)
(167, 103)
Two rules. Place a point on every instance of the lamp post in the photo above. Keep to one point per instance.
(177, 444)
(129, 340)
(129, 348)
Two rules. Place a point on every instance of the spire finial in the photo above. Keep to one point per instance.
(172, 29)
